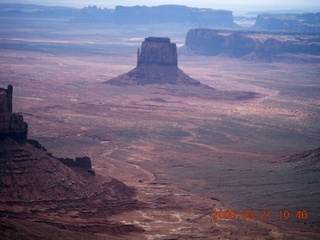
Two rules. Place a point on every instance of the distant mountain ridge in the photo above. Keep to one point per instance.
(162, 14)
(32, 10)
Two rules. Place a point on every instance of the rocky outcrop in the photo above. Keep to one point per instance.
(251, 44)
(11, 124)
(93, 14)
(212, 18)
(36, 11)
(157, 63)
(36, 186)
(151, 15)
(163, 14)
(173, 14)
(81, 162)
(304, 23)
(28, 173)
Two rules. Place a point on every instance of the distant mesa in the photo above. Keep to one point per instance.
(303, 23)
(254, 45)
(93, 14)
(36, 11)
(200, 17)
(163, 14)
(157, 63)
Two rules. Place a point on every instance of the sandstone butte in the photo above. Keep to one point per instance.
(157, 63)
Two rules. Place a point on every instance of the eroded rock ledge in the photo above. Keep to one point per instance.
(254, 45)
(34, 185)
(304, 23)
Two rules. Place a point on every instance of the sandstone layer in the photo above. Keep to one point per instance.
(34, 186)
(173, 14)
(11, 124)
(304, 23)
(157, 63)
(64, 193)
(25, 10)
(163, 14)
(252, 44)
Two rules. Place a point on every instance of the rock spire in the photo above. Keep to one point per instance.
(11, 124)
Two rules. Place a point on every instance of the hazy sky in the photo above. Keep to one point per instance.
(226, 4)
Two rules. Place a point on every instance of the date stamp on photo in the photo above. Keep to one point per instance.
(262, 214)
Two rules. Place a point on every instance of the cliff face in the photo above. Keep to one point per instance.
(93, 14)
(36, 11)
(214, 42)
(151, 15)
(212, 18)
(158, 51)
(11, 124)
(28, 173)
(306, 23)
(261, 45)
(163, 14)
(157, 63)
(173, 14)
(35, 185)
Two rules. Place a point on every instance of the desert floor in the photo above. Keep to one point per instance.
(187, 153)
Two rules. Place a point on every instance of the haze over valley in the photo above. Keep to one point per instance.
(159, 122)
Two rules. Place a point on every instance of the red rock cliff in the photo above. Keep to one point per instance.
(11, 124)
(158, 50)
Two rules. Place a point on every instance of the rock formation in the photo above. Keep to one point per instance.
(81, 162)
(93, 14)
(11, 124)
(35, 186)
(35, 11)
(252, 44)
(304, 23)
(157, 63)
(155, 50)
(205, 17)
(27, 170)
(174, 14)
